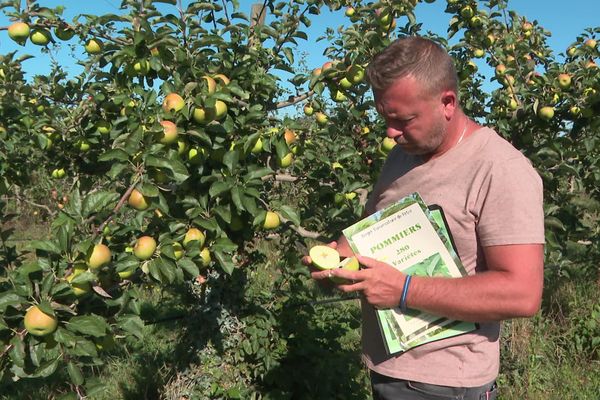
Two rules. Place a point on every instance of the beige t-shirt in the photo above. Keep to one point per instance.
(491, 195)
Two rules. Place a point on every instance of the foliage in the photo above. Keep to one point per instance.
(96, 137)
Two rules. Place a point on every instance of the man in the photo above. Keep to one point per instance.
(492, 199)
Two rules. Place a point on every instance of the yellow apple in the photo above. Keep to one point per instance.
(200, 115)
(591, 43)
(224, 80)
(144, 247)
(324, 257)
(173, 103)
(137, 200)
(169, 134)
(141, 67)
(355, 74)
(18, 31)
(387, 144)
(258, 146)
(178, 250)
(321, 118)
(79, 289)
(211, 84)
(93, 46)
(205, 257)
(272, 220)
(194, 234)
(99, 256)
(564, 81)
(308, 110)
(220, 110)
(38, 323)
(286, 161)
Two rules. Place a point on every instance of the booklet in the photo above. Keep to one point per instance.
(415, 239)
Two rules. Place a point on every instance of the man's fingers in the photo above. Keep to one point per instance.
(333, 245)
(369, 262)
(352, 287)
(306, 260)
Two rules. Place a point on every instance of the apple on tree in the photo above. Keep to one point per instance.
(38, 323)
(194, 235)
(169, 134)
(64, 32)
(99, 256)
(40, 37)
(19, 32)
(173, 103)
(144, 247)
(546, 113)
(272, 220)
(137, 200)
(93, 46)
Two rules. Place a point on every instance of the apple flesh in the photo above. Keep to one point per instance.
(349, 264)
(38, 323)
(144, 247)
(324, 257)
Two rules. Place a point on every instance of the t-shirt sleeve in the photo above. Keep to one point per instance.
(511, 204)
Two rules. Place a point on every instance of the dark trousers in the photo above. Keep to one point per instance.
(387, 388)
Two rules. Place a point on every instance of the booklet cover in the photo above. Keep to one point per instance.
(416, 240)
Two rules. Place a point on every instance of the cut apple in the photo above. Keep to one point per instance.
(324, 257)
(350, 264)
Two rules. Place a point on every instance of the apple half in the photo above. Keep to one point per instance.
(324, 257)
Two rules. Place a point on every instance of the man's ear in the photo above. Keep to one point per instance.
(449, 102)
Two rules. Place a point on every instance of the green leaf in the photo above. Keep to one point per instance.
(47, 368)
(218, 188)
(131, 324)
(188, 266)
(291, 214)
(225, 262)
(115, 154)
(45, 245)
(17, 351)
(9, 299)
(93, 325)
(97, 202)
(75, 374)
(180, 173)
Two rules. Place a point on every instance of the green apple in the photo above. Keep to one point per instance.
(141, 67)
(169, 134)
(200, 115)
(272, 220)
(546, 113)
(355, 74)
(571, 51)
(338, 96)
(99, 256)
(178, 250)
(137, 200)
(220, 110)
(350, 11)
(308, 110)
(84, 146)
(93, 46)
(286, 161)
(38, 323)
(196, 155)
(79, 289)
(564, 81)
(222, 78)
(478, 53)
(336, 165)
(575, 111)
(490, 40)
(349, 264)
(258, 146)
(58, 173)
(40, 37)
(64, 32)
(324, 257)
(387, 144)
(19, 32)
(144, 247)
(173, 103)
(205, 257)
(466, 12)
(321, 118)
(103, 127)
(345, 83)
(192, 235)
(350, 195)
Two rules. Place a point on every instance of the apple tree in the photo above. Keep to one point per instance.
(177, 159)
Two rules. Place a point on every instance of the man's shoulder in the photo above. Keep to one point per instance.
(492, 147)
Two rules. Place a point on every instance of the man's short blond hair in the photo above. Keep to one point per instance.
(421, 58)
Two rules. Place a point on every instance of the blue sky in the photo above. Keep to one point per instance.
(564, 19)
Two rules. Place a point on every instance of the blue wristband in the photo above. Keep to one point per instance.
(404, 293)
